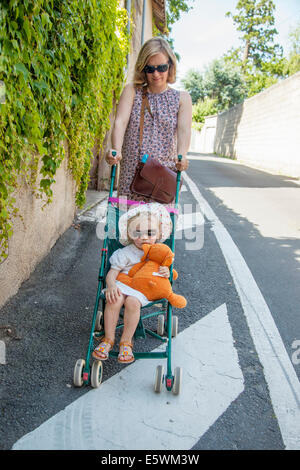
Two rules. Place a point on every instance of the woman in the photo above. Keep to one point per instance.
(167, 130)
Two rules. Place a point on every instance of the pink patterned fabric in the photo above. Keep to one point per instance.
(159, 136)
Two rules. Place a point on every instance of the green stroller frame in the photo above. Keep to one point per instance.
(87, 374)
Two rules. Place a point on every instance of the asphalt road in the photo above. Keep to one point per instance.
(50, 317)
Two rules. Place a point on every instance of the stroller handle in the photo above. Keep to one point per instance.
(113, 174)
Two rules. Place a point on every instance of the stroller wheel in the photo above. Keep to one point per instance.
(177, 381)
(78, 373)
(98, 322)
(159, 376)
(160, 325)
(174, 326)
(96, 374)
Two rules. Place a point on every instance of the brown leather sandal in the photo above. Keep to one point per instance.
(125, 351)
(101, 352)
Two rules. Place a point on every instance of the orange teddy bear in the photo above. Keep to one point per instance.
(141, 278)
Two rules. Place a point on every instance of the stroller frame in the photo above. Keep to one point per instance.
(86, 374)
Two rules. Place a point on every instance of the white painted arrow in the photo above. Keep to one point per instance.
(279, 372)
(126, 413)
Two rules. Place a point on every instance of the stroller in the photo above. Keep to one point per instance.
(167, 324)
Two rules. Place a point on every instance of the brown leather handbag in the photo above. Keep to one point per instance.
(152, 179)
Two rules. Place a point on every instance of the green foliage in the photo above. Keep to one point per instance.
(193, 82)
(260, 59)
(255, 19)
(218, 88)
(224, 83)
(174, 9)
(292, 63)
(203, 108)
(62, 64)
(245, 71)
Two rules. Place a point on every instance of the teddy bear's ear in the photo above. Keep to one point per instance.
(146, 247)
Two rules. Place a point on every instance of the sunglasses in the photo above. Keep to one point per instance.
(159, 68)
(139, 233)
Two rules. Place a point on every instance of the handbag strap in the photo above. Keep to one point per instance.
(145, 103)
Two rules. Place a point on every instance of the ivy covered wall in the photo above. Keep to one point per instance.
(62, 63)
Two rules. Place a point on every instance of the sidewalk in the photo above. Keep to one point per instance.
(93, 198)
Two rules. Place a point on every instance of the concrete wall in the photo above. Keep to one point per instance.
(37, 231)
(264, 130)
(203, 142)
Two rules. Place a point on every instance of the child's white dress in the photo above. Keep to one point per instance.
(123, 260)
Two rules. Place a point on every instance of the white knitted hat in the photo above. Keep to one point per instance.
(163, 217)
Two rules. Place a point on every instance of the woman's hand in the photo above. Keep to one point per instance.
(182, 165)
(113, 160)
(164, 271)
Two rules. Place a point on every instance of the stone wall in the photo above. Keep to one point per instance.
(37, 231)
(203, 142)
(264, 130)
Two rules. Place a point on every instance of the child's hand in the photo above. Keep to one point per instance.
(112, 294)
(164, 271)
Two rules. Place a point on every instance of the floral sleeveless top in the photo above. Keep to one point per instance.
(159, 136)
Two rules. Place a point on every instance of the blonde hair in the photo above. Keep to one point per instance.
(150, 48)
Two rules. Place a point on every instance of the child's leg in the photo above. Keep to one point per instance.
(132, 313)
(111, 316)
(131, 318)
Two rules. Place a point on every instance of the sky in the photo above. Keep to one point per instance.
(205, 33)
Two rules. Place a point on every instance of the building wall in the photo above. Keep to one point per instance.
(203, 142)
(136, 44)
(37, 231)
(264, 130)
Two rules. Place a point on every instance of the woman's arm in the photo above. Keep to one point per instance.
(184, 129)
(121, 121)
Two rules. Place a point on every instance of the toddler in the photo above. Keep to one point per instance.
(147, 223)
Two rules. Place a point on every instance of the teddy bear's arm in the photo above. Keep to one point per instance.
(136, 268)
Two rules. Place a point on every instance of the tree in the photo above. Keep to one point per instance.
(293, 62)
(224, 83)
(255, 19)
(193, 82)
(203, 108)
(174, 9)
(220, 81)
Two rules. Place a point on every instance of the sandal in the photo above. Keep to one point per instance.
(101, 352)
(125, 352)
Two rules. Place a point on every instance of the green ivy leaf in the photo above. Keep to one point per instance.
(22, 69)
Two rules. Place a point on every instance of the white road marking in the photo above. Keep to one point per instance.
(2, 353)
(279, 372)
(187, 221)
(126, 413)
